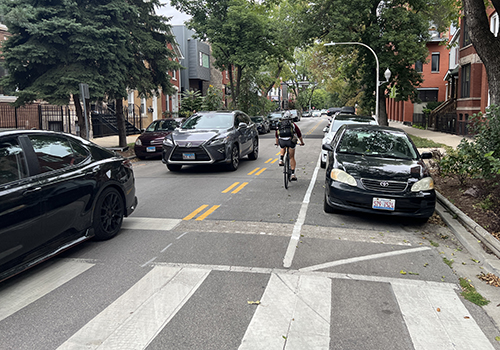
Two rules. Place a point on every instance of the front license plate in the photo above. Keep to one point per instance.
(383, 203)
(188, 156)
(151, 149)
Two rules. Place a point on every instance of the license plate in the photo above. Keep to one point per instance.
(383, 203)
(151, 149)
(188, 156)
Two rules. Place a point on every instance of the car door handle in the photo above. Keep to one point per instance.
(31, 190)
(93, 170)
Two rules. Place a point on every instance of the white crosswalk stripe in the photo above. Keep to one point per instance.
(135, 318)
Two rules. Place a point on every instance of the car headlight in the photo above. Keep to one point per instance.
(218, 141)
(426, 184)
(168, 142)
(342, 176)
(138, 142)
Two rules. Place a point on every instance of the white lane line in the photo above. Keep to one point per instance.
(149, 262)
(38, 283)
(163, 250)
(135, 318)
(437, 319)
(362, 258)
(135, 223)
(181, 235)
(294, 314)
(292, 245)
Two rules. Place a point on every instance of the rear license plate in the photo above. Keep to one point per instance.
(151, 149)
(188, 156)
(383, 203)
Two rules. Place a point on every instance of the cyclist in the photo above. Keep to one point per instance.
(287, 134)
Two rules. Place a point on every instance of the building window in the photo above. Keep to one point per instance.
(204, 60)
(494, 24)
(465, 81)
(428, 95)
(419, 66)
(466, 33)
(435, 62)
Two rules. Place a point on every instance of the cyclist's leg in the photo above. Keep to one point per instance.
(292, 160)
(282, 145)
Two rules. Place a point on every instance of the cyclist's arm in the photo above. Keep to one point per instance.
(299, 134)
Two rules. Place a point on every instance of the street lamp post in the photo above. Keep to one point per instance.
(377, 82)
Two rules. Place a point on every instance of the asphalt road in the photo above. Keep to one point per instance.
(231, 260)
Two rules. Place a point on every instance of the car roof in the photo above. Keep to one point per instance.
(372, 127)
(353, 117)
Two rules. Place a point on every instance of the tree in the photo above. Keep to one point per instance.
(110, 45)
(396, 30)
(487, 45)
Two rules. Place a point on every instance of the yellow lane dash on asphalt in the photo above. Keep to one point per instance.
(274, 161)
(240, 187)
(260, 172)
(269, 160)
(253, 171)
(196, 212)
(278, 153)
(207, 213)
(309, 132)
(230, 187)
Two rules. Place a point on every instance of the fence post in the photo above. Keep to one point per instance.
(40, 121)
(15, 117)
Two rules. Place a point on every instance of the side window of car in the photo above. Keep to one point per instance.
(80, 153)
(246, 119)
(53, 152)
(12, 162)
(237, 120)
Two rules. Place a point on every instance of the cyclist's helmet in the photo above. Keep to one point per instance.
(287, 115)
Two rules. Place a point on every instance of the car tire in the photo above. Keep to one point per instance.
(327, 207)
(108, 214)
(174, 167)
(322, 164)
(255, 152)
(235, 158)
(141, 157)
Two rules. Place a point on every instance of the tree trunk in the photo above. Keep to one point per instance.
(486, 44)
(79, 116)
(120, 123)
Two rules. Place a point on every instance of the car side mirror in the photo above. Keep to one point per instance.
(327, 147)
(426, 155)
(143, 130)
(325, 129)
(242, 125)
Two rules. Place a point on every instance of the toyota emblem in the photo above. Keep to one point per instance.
(384, 184)
(189, 144)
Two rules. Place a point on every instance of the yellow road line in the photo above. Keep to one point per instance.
(194, 213)
(260, 172)
(270, 159)
(230, 187)
(240, 187)
(207, 213)
(253, 171)
(274, 161)
(313, 128)
(278, 153)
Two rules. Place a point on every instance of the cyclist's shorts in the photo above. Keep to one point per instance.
(287, 143)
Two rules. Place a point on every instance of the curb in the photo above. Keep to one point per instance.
(470, 234)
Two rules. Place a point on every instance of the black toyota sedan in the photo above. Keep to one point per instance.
(377, 169)
(218, 137)
(57, 190)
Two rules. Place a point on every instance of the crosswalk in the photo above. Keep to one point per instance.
(295, 312)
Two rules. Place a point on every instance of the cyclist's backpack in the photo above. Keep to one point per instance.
(285, 128)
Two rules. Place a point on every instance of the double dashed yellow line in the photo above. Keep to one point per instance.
(234, 188)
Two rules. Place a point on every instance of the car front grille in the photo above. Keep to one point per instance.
(384, 186)
(199, 153)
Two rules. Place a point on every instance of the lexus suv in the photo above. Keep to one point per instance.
(212, 138)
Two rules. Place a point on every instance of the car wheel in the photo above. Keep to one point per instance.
(174, 167)
(235, 158)
(255, 151)
(108, 214)
(327, 207)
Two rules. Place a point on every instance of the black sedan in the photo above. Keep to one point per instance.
(262, 124)
(274, 118)
(212, 138)
(376, 169)
(57, 190)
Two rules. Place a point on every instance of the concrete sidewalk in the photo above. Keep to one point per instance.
(112, 141)
(436, 136)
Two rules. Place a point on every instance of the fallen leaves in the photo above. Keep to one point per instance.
(490, 278)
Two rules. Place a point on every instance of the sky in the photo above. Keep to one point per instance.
(178, 18)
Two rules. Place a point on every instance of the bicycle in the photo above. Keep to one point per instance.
(287, 170)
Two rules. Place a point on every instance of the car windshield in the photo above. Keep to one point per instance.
(275, 115)
(337, 123)
(257, 119)
(377, 143)
(163, 125)
(209, 121)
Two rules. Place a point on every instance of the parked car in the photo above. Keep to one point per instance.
(316, 113)
(262, 124)
(296, 115)
(306, 114)
(274, 118)
(377, 169)
(348, 109)
(332, 110)
(57, 190)
(324, 112)
(212, 138)
(341, 119)
(150, 142)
